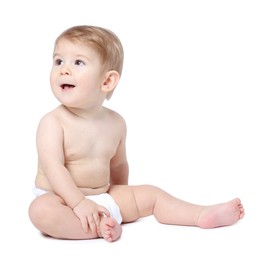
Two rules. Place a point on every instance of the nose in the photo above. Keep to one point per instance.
(65, 70)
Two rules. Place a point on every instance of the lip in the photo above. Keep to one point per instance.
(67, 86)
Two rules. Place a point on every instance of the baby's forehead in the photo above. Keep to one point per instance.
(75, 46)
(73, 42)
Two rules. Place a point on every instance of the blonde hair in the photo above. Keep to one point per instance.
(103, 41)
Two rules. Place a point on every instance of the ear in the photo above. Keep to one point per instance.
(111, 81)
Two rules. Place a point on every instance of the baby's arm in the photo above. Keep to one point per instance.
(119, 169)
(51, 159)
(119, 174)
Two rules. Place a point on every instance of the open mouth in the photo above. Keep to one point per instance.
(67, 86)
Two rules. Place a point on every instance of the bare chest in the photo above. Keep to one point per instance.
(90, 142)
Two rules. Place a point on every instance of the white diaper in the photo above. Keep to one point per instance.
(103, 199)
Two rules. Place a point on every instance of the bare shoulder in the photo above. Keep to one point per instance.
(117, 118)
(50, 119)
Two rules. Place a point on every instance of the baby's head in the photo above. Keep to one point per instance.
(103, 41)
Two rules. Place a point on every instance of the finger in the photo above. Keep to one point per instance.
(99, 232)
(92, 224)
(84, 224)
(96, 219)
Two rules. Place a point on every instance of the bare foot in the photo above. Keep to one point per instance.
(223, 214)
(110, 229)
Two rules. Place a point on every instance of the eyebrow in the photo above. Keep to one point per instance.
(78, 56)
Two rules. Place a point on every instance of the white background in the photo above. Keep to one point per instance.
(196, 95)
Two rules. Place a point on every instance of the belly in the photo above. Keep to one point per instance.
(89, 173)
(91, 180)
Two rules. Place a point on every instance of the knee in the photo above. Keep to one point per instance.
(39, 211)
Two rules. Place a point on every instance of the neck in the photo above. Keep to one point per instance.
(91, 112)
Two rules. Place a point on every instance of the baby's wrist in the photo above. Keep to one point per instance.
(78, 203)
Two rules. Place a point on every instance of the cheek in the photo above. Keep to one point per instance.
(52, 78)
(90, 84)
(54, 83)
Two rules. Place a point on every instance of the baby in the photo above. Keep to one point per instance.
(81, 186)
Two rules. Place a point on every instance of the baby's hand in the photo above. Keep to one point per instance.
(89, 214)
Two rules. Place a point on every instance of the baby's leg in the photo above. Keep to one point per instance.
(145, 200)
(110, 229)
(52, 217)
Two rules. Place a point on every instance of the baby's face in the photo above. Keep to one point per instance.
(76, 75)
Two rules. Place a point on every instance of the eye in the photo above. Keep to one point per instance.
(58, 62)
(79, 62)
